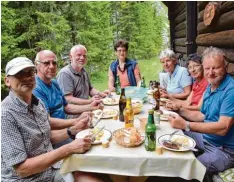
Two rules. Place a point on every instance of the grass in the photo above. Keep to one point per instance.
(149, 69)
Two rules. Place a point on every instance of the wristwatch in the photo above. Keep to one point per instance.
(70, 134)
(187, 127)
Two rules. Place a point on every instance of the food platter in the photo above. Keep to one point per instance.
(104, 135)
(164, 117)
(110, 101)
(106, 113)
(182, 139)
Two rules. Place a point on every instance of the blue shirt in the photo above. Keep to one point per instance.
(218, 103)
(178, 80)
(52, 97)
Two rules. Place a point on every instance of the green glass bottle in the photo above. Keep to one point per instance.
(150, 132)
(143, 82)
(117, 86)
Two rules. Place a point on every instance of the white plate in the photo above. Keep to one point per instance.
(191, 142)
(107, 113)
(106, 136)
(163, 118)
(110, 101)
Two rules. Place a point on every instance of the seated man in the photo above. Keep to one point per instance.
(213, 127)
(26, 148)
(48, 91)
(74, 81)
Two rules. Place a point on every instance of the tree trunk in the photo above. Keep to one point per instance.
(219, 39)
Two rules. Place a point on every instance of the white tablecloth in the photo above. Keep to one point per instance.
(134, 161)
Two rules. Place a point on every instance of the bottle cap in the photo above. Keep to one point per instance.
(151, 111)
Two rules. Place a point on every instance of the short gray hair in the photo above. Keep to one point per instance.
(213, 51)
(77, 46)
(37, 59)
(167, 53)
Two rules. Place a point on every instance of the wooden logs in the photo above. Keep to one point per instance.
(211, 11)
(180, 18)
(228, 52)
(181, 49)
(202, 4)
(180, 26)
(180, 9)
(225, 22)
(200, 16)
(180, 42)
(227, 6)
(219, 39)
(180, 34)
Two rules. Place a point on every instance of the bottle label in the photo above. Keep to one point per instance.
(150, 141)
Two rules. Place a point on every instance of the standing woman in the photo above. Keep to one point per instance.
(127, 70)
(194, 100)
(178, 80)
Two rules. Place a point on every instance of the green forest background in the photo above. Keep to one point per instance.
(30, 26)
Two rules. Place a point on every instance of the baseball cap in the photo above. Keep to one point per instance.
(17, 64)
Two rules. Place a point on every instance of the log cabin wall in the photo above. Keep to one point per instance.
(216, 28)
(190, 32)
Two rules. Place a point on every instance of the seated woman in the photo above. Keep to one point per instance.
(127, 70)
(178, 80)
(193, 102)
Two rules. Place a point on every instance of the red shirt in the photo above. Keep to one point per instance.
(198, 90)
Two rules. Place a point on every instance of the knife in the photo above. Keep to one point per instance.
(98, 120)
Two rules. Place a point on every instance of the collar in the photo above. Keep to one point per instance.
(127, 61)
(38, 79)
(76, 72)
(21, 105)
(175, 71)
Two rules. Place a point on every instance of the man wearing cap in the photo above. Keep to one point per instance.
(74, 80)
(26, 143)
(48, 91)
(213, 126)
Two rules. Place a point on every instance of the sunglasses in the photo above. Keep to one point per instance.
(47, 63)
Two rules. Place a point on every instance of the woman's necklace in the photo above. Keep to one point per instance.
(122, 70)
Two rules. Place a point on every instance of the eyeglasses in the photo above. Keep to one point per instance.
(25, 73)
(47, 63)
(196, 66)
(121, 50)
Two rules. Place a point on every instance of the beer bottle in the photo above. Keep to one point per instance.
(150, 132)
(117, 86)
(143, 82)
(129, 114)
(156, 96)
(122, 105)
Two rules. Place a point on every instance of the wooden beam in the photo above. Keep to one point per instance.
(180, 26)
(191, 20)
(225, 22)
(180, 42)
(180, 18)
(228, 52)
(181, 49)
(180, 34)
(172, 25)
(220, 39)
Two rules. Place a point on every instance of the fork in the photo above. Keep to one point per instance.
(170, 136)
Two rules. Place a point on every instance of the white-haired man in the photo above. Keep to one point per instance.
(213, 127)
(26, 137)
(74, 80)
(48, 91)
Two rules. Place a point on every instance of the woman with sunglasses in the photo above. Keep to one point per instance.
(127, 70)
(193, 102)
